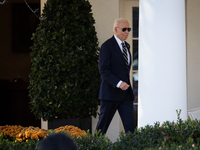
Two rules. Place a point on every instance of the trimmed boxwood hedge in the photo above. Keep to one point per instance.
(170, 135)
(64, 77)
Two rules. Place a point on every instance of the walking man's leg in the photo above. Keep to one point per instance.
(127, 115)
(107, 111)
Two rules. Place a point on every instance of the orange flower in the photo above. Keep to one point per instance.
(40, 133)
(72, 130)
(34, 137)
(18, 139)
(27, 134)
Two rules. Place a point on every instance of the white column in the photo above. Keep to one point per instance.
(162, 61)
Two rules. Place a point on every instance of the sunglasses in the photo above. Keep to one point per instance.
(124, 29)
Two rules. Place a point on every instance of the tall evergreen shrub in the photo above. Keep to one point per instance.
(64, 76)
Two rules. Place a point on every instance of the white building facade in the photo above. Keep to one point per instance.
(167, 48)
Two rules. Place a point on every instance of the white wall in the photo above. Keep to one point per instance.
(193, 52)
(42, 4)
(104, 13)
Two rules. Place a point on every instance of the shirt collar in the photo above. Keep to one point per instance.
(118, 40)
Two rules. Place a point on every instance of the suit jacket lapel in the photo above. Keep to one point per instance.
(118, 50)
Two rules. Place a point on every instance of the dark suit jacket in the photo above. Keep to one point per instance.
(112, 67)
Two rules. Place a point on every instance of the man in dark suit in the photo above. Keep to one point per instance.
(115, 91)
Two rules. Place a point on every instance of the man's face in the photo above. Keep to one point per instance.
(118, 30)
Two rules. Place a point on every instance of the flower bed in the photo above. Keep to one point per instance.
(35, 133)
(10, 131)
(72, 130)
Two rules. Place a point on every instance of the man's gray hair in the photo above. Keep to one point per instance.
(116, 22)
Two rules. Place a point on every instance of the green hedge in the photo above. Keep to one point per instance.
(180, 135)
(5, 144)
(93, 142)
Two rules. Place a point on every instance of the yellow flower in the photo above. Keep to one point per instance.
(18, 139)
(34, 136)
(40, 133)
(27, 134)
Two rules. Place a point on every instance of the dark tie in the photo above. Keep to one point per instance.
(125, 53)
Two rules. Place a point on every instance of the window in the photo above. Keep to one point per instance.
(135, 31)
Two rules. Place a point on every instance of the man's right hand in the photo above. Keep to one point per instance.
(124, 86)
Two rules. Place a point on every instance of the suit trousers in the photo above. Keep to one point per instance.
(108, 109)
